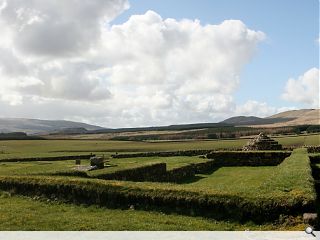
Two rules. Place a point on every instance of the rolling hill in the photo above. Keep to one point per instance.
(298, 117)
(36, 126)
(61, 127)
(288, 118)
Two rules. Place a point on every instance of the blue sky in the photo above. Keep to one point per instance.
(153, 63)
(290, 49)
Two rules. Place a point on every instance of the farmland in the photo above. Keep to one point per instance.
(235, 196)
(36, 148)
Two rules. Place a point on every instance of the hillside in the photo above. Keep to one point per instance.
(295, 113)
(288, 118)
(33, 126)
(244, 121)
(298, 117)
(61, 127)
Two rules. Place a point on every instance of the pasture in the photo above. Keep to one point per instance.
(225, 197)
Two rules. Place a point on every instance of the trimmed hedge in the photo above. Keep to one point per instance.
(56, 158)
(158, 173)
(313, 149)
(315, 159)
(115, 195)
(247, 158)
(183, 173)
(289, 191)
(294, 177)
(154, 172)
(163, 154)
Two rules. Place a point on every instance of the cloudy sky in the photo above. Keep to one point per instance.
(120, 63)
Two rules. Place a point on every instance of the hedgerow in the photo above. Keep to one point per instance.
(289, 191)
(115, 195)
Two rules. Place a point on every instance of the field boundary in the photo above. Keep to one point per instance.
(55, 158)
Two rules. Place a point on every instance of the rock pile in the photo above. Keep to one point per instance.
(262, 142)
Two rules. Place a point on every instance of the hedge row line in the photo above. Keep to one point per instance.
(119, 195)
(313, 149)
(254, 158)
(315, 159)
(152, 173)
(158, 173)
(163, 154)
(56, 158)
(293, 177)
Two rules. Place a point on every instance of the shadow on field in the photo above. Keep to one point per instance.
(191, 180)
(198, 177)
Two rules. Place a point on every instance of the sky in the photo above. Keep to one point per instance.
(119, 63)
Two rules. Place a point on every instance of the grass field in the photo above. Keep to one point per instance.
(43, 148)
(286, 184)
(22, 213)
(40, 167)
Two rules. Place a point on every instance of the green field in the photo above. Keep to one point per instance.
(22, 213)
(37, 148)
(39, 167)
(289, 184)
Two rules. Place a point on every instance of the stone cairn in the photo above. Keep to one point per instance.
(262, 142)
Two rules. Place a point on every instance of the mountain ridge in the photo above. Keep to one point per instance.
(37, 126)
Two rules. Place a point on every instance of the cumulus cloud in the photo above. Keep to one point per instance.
(304, 89)
(255, 108)
(146, 71)
(58, 27)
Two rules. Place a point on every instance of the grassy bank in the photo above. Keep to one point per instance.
(22, 213)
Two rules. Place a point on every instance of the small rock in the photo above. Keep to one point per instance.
(309, 218)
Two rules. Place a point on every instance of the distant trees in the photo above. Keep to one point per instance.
(17, 136)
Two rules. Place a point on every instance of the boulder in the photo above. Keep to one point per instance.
(97, 161)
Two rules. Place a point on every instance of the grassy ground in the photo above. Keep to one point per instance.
(308, 140)
(286, 181)
(21, 213)
(26, 168)
(37, 148)
(9, 149)
(233, 180)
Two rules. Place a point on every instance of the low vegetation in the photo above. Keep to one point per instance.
(227, 197)
(38, 214)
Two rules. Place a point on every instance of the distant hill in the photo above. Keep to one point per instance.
(179, 127)
(245, 121)
(298, 117)
(283, 119)
(296, 113)
(35, 126)
(61, 127)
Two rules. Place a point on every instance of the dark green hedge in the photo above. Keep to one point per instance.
(118, 195)
(55, 158)
(254, 158)
(313, 149)
(153, 173)
(163, 154)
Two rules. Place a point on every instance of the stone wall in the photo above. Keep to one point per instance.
(57, 158)
(235, 158)
(163, 154)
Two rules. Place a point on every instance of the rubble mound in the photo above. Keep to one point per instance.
(262, 142)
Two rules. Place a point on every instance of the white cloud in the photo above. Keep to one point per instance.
(58, 27)
(304, 90)
(255, 108)
(146, 71)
